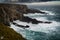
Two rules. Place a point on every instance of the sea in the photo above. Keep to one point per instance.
(41, 31)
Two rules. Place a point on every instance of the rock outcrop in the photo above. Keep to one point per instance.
(11, 12)
(35, 11)
(33, 21)
(20, 25)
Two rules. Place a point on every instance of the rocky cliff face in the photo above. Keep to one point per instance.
(10, 12)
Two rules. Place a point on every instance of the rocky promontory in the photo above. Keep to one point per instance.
(11, 12)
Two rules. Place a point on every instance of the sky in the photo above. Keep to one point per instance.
(29, 0)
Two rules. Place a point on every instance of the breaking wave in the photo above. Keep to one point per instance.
(41, 27)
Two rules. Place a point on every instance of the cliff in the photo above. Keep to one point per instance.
(8, 13)
(7, 33)
(11, 12)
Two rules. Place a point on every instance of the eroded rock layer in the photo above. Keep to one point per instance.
(11, 12)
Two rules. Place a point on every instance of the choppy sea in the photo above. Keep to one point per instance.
(41, 31)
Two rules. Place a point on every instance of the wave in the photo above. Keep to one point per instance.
(41, 27)
(47, 28)
(48, 12)
(36, 14)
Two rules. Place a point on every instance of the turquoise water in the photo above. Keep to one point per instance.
(42, 31)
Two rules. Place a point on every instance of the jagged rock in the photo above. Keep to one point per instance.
(11, 12)
(23, 26)
(35, 11)
(20, 25)
(8, 12)
(26, 26)
(13, 23)
(33, 21)
(48, 22)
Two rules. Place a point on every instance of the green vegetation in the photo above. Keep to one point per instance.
(7, 33)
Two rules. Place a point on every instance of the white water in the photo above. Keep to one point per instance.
(41, 27)
(46, 13)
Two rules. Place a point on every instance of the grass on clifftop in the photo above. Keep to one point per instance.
(7, 33)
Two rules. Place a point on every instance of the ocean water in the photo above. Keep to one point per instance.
(41, 31)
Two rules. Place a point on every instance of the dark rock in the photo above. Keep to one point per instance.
(41, 22)
(8, 12)
(48, 22)
(11, 12)
(27, 19)
(33, 21)
(27, 26)
(13, 23)
(7, 24)
(35, 11)
(20, 25)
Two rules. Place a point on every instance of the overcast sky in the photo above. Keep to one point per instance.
(29, 0)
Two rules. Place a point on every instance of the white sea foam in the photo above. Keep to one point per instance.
(36, 14)
(33, 14)
(41, 27)
(48, 12)
(41, 19)
(18, 30)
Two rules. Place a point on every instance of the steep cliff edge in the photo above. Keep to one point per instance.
(7, 33)
(10, 12)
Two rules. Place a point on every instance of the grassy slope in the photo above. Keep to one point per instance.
(9, 34)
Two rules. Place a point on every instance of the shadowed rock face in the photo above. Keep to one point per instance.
(11, 12)
(33, 21)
